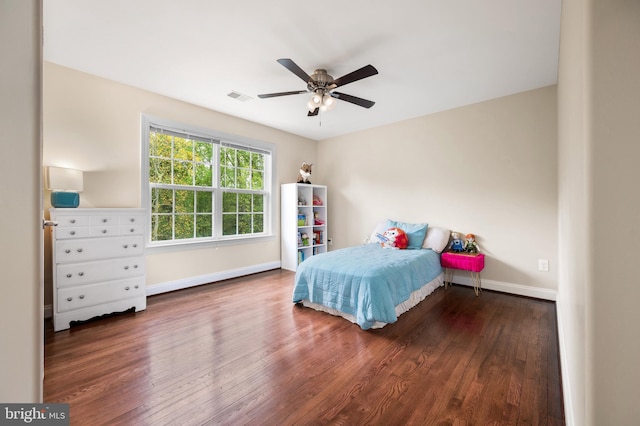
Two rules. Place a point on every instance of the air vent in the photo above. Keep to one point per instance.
(239, 96)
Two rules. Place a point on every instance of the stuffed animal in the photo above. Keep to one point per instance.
(394, 238)
(305, 173)
(456, 244)
(470, 245)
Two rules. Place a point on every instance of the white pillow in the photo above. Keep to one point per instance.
(379, 229)
(436, 239)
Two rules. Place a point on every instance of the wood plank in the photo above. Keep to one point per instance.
(239, 352)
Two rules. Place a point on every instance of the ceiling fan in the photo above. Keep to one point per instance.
(322, 86)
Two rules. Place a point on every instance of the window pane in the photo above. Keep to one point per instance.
(182, 173)
(203, 152)
(228, 178)
(185, 202)
(258, 203)
(244, 202)
(244, 159)
(204, 202)
(204, 225)
(184, 226)
(161, 227)
(257, 180)
(227, 157)
(161, 200)
(204, 175)
(159, 170)
(229, 222)
(229, 202)
(258, 223)
(182, 149)
(244, 179)
(257, 161)
(244, 224)
(159, 145)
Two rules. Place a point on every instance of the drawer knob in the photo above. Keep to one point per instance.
(72, 232)
(126, 246)
(82, 296)
(69, 275)
(126, 267)
(135, 245)
(104, 220)
(69, 299)
(135, 266)
(127, 288)
(81, 274)
(132, 219)
(131, 230)
(67, 251)
(79, 250)
(136, 286)
(104, 231)
(72, 221)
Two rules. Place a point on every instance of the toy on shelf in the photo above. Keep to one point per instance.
(305, 239)
(317, 201)
(470, 245)
(316, 219)
(456, 245)
(305, 173)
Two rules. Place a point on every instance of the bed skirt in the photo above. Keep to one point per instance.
(416, 297)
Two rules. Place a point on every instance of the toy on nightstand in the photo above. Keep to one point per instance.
(470, 245)
(456, 245)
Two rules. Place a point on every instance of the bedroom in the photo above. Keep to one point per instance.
(442, 206)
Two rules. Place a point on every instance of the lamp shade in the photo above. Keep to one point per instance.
(63, 179)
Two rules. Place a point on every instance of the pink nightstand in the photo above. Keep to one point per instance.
(464, 262)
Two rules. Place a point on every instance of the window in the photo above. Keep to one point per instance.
(204, 187)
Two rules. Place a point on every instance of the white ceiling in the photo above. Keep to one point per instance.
(431, 55)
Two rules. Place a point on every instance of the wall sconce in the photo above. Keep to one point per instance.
(65, 185)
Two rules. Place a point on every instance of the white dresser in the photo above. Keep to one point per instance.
(98, 263)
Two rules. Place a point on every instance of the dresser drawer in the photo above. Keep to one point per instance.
(72, 220)
(82, 250)
(132, 219)
(66, 232)
(73, 274)
(96, 294)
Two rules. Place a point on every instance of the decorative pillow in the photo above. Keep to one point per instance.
(436, 239)
(394, 238)
(415, 231)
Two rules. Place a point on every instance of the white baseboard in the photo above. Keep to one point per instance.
(210, 278)
(517, 289)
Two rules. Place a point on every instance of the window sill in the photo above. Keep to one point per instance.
(199, 245)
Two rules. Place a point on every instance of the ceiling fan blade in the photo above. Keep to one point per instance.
(314, 113)
(273, 95)
(294, 68)
(353, 99)
(364, 72)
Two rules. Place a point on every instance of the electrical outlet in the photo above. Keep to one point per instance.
(330, 241)
(543, 265)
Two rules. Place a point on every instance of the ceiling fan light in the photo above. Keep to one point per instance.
(328, 101)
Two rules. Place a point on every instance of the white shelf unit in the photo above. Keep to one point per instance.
(300, 215)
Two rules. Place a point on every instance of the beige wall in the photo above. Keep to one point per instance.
(21, 319)
(93, 124)
(599, 134)
(488, 169)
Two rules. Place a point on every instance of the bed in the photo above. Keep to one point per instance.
(368, 284)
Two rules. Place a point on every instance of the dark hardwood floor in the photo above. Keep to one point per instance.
(239, 352)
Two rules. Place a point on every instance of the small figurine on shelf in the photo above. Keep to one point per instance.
(470, 245)
(305, 173)
(456, 245)
(305, 239)
(302, 219)
(302, 201)
(317, 201)
(299, 240)
(316, 219)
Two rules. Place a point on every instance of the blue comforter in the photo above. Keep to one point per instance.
(365, 281)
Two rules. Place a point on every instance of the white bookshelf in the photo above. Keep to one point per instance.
(298, 217)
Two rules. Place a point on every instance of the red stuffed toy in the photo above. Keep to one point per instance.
(395, 238)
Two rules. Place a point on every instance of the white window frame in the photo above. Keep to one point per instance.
(222, 139)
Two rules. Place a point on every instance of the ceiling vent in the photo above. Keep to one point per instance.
(239, 96)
